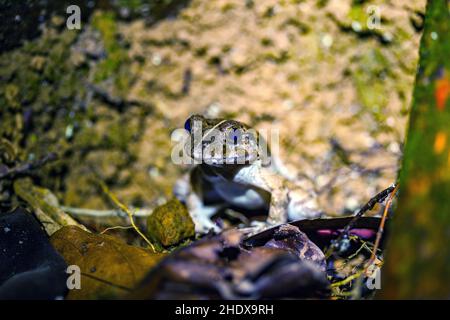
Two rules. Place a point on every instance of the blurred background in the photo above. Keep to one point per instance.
(106, 97)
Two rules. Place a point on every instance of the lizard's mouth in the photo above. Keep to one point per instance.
(219, 156)
(228, 146)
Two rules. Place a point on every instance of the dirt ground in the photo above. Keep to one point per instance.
(338, 92)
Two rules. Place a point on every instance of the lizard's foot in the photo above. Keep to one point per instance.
(205, 225)
(201, 215)
(202, 221)
(303, 207)
(260, 226)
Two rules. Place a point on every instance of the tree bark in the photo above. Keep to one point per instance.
(417, 263)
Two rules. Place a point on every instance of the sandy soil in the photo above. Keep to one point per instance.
(337, 92)
(292, 66)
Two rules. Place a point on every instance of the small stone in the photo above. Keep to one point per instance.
(356, 26)
(156, 59)
(170, 223)
(387, 37)
(394, 147)
(352, 204)
(213, 110)
(154, 172)
(327, 40)
(124, 12)
(390, 122)
(288, 104)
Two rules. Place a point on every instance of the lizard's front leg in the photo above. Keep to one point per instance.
(269, 181)
(200, 213)
(279, 202)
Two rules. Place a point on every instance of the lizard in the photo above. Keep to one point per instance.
(233, 167)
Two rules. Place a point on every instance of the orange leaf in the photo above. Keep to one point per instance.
(442, 92)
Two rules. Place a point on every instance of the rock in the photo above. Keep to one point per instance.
(30, 267)
(170, 223)
(109, 267)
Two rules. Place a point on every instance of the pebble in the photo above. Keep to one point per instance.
(356, 26)
(156, 59)
(327, 40)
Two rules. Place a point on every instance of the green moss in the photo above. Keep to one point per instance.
(357, 14)
(278, 57)
(116, 55)
(170, 223)
(42, 83)
(369, 82)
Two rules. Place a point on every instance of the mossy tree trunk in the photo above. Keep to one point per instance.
(418, 252)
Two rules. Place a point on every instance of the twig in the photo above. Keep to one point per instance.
(44, 201)
(347, 280)
(380, 197)
(140, 213)
(381, 228)
(116, 227)
(363, 246)
(117, 102)
(187, 80)
(124, 208)
(25, 168)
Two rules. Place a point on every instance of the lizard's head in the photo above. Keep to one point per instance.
(220, 142)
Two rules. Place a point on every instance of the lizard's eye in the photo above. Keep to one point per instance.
(235, 135)
(187, 125)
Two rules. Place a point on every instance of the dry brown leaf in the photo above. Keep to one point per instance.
(109, 267)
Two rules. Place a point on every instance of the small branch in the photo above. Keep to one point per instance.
(380, 197)
(116, 227)
(45, 205)
(26, 168)
(347, 280)
(187, 80)
(124, 208)
(381, 228)
(117, 102)
(140, 213)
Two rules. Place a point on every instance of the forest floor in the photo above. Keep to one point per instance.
(108, 97)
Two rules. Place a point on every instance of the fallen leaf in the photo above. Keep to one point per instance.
(109, 267)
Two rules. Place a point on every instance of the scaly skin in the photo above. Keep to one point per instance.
(233, 170)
